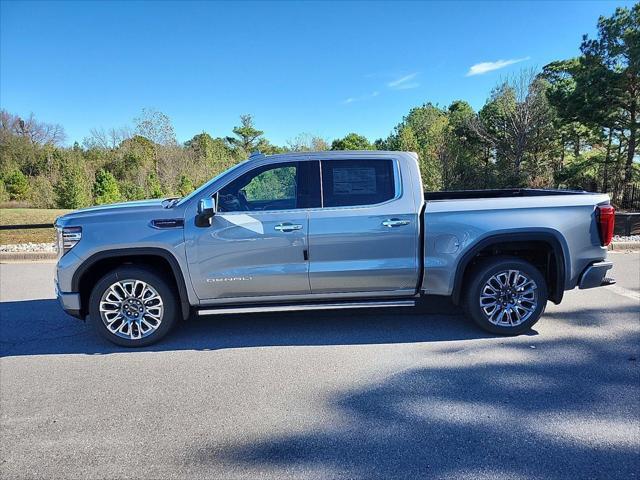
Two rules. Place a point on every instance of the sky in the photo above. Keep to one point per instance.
(321, 68)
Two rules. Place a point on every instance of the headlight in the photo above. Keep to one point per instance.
(68, 237)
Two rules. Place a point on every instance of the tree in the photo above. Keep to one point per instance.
(105, 188)
(423, 130)
(154, 189)
(37, 132)
(306, 142)
(185, 186)
(247, 137)
(615, 57)
(596, 97)
(352, 141)
(156, 126)
(17, 185)
(41, 193)
(516, 123)
(72, 190)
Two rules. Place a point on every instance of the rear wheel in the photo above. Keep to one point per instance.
(132, 306)
(506, 296)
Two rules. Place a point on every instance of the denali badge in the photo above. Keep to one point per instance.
(228, 279)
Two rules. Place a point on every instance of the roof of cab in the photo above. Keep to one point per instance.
(334, 154)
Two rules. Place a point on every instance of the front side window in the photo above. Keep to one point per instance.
(357, 182)
(284, 186)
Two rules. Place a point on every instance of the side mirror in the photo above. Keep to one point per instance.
(206, 210)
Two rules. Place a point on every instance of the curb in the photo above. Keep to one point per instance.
(27, 256)
(620, 246)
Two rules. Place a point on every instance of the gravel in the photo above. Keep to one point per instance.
(28, 247)
(630, 238)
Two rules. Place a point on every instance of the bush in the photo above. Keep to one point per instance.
(132, 191)
(41, 193)
(72, 190)
(105, 188)
(4, 195)
(17, 185)
(154, 189)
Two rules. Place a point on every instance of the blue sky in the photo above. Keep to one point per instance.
(325, 68)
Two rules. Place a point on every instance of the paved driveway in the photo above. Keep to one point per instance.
(373, 394)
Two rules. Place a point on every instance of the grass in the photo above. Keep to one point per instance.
(22, 216)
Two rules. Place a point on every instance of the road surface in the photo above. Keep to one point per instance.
(375, 394)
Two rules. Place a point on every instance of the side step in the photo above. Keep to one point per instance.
(294, 307)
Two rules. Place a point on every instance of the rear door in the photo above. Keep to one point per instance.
(364, 238)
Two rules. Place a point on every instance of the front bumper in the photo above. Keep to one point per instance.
(595, 275)
(70, 302)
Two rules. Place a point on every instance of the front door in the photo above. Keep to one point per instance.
(257, 244)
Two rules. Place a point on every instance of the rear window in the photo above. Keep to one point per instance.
(357, 182)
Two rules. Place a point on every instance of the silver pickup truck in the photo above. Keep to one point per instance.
(328, 230)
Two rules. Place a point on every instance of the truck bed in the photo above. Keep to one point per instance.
(497, 193)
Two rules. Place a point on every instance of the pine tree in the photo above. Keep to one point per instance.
(72, 190)
(17, 185)
(105, 188)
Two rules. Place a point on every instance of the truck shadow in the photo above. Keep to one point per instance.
(39, 327)
(564, 410)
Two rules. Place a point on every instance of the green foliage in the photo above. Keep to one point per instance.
(352, 141)
(72, 189)
(597, 100)
(132, 191)
(276, 184)
(185, 186)
(17, 185)
(4, 195)
(105, 188)
(247, 137)
(41, 192)
(154, 189)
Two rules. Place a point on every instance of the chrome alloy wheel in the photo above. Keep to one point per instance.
(509, 298)
(131, 309)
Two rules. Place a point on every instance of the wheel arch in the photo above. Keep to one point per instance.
(521, 245)
(102, 262)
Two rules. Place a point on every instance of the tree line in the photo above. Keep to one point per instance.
(574, 124)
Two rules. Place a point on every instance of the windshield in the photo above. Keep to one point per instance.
(199, 191)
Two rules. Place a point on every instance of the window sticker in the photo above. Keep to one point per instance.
(354, 181)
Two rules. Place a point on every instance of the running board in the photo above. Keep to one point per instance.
(313, 306)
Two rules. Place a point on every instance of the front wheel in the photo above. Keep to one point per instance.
(506, 296)
(132, 306)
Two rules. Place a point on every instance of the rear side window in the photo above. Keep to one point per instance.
(357, 182)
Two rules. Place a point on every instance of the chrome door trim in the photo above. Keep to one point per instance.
(300, 307)
(266, 299)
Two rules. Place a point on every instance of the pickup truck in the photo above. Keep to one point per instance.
(328, 230)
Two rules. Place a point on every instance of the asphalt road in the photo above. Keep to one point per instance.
(375, 394)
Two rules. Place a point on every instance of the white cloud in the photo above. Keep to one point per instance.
(363, 97)
(484, 67)
(404, 83)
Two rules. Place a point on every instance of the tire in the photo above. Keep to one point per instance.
(516, 310)
(147, 311)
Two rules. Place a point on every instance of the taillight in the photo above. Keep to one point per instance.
(606, 216)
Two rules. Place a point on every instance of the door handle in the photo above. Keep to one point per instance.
(395, 222)
(287, 227)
